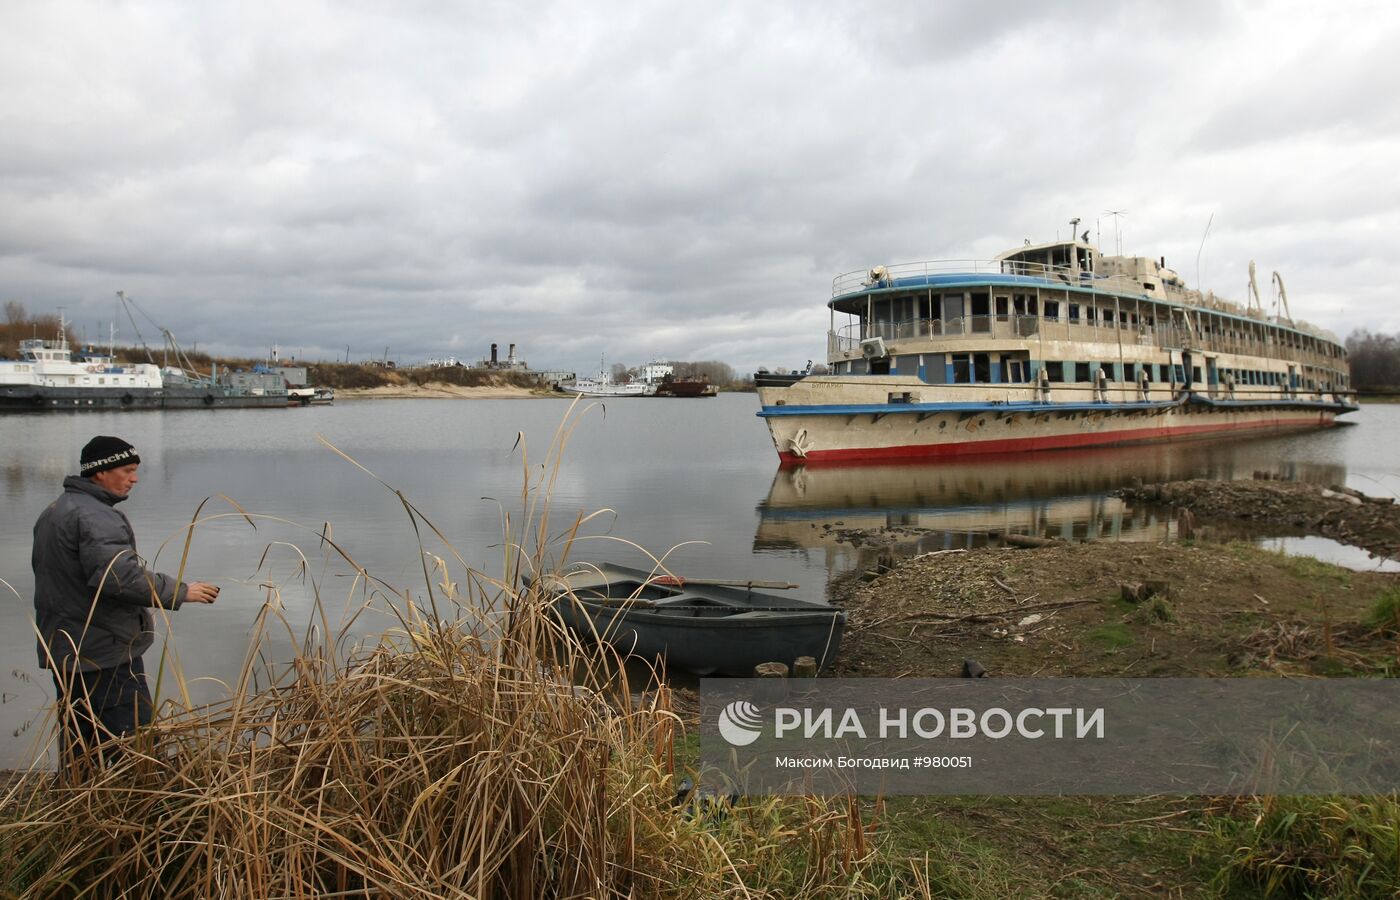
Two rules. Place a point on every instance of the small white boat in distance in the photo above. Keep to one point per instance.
(602, 385)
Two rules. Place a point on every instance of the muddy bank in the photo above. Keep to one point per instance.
(1025, 606)
(1281, 507)
(439, 391)
(1060, 610)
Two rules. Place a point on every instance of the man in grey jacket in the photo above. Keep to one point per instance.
(93, 597)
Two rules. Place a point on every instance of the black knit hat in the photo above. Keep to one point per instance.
(105, 452)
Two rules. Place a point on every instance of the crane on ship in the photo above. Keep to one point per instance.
(172, 346)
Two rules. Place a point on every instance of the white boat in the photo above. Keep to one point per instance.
(310, 396)
(50, 375)
(602, 385)
(1047, 346)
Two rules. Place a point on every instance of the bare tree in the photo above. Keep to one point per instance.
(1375, 359)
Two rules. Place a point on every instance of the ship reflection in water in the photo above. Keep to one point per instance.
(855, 514)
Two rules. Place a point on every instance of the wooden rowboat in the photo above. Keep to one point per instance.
(703, 628)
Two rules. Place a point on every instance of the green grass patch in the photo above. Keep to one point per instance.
(1313, 847)
(1385, 614)
(1155, 611)
(1113, 636)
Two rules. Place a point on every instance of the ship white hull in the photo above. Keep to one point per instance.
(807, 427)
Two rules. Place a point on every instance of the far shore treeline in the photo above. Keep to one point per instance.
(19, 325)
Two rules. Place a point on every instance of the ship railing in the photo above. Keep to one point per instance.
(913, 273)
(1161, 337)
(1059, 328)
(1006, 327)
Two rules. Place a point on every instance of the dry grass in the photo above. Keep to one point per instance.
(476, 750)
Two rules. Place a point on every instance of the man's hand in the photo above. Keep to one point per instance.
(199, 592)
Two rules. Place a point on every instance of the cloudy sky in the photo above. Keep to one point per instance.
(669, 179)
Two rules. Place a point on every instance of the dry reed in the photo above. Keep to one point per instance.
(475, 750)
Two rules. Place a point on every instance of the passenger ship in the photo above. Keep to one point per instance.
(1047, 346)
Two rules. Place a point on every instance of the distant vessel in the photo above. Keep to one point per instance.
(602, 385)
(1047, 346)
(309, 396)
(50, 376)
(661, 381)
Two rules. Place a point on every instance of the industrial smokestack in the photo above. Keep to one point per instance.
(493, 354)
(511, 359)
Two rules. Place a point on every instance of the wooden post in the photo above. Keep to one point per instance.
(770, 670)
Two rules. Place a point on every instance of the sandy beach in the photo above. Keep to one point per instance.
(438, 391)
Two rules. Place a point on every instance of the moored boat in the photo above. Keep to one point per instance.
(49, 375)
(310, 396)
(661, 381)
(602, 385)
(1047, 346)
(690, 626)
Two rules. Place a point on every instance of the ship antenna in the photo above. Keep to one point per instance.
(1117, 235)
(1200, 248)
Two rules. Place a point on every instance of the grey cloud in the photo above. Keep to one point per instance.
(670, 178)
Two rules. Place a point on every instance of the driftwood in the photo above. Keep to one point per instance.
(994, 615)
(1027, 540)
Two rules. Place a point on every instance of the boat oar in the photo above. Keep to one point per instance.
(677, 581)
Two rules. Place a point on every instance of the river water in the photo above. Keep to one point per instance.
(696, 481)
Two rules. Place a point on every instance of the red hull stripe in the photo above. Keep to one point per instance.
(1053, 442)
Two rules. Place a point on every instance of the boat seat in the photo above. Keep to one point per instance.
(684, 599)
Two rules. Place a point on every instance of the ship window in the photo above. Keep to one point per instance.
(1052, 309)
(981, 311)
(981, 368)
(1074, 313)
(962, 368)
(1081, 371)
(1055, 371)
(1015, 371)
